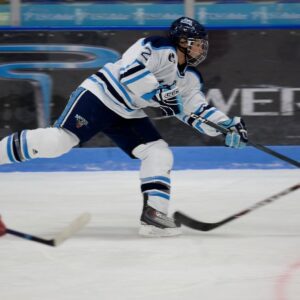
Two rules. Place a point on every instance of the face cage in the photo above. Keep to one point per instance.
(194, 61)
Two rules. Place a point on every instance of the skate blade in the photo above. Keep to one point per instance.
(153, 231)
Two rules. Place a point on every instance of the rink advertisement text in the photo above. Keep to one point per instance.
(257, 101)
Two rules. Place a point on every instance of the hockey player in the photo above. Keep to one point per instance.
(153, 72)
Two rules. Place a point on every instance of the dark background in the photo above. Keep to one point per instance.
(237, 59)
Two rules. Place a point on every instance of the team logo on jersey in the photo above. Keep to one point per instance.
(172, 58)
(80, 121)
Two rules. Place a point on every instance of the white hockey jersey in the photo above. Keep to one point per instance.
(128, 85)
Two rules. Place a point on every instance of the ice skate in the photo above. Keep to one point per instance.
(157, 224)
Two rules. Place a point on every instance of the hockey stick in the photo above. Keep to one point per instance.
(181, 218)
(66, 233)
(257, 146)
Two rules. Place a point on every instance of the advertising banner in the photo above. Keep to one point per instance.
(4, 15)
(160, 14)
(249, 73)
(213, 15)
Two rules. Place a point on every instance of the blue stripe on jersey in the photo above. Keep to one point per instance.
(130, 72)
(149, 96)
(136, 78)
(96, 81)
(159, 194)
(102, 86)
(197, 126)
(114, 94)
(185, 118)
(118, 85)
(134, 67)
(24, 145)
(9, 149)
(199, 110)
(126, 67)
(209, 113)
(156, 178)
(202, 109)
(74, 96)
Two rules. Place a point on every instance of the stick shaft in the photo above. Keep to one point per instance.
(275, 154)
(260, 204)
(203, 226)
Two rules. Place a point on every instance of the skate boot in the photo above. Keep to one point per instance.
(157, 224)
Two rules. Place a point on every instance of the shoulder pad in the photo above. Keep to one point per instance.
(197, 74)
(159, 42)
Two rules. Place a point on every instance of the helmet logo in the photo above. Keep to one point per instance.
(187, 21)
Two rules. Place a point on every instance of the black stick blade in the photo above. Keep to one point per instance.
(183, 219)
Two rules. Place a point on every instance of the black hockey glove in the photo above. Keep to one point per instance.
(238, 136)
(169, 100)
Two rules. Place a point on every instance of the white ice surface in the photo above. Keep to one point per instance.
(256, 257)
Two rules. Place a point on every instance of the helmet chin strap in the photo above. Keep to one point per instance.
(183, 51)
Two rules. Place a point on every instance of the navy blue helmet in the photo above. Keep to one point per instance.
(189, 31)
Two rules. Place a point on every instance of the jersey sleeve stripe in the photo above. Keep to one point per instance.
(111, 89)
(131, 71)
(210, 112)
(104, 88)
(117, 84)
(136, 78)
